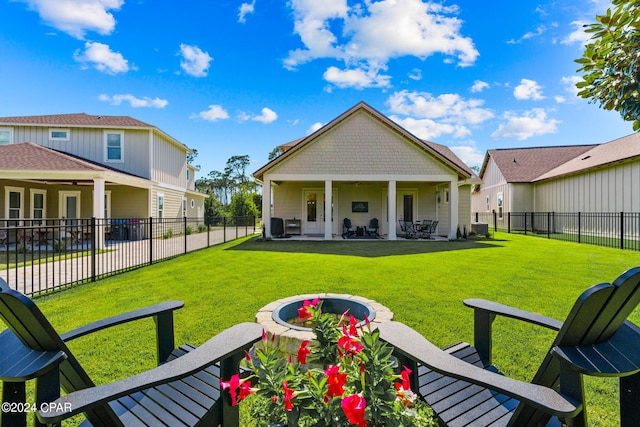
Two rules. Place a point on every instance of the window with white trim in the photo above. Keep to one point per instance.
(114, 146)
(193, 204)
(14, 205)
(6, 136)
(56, 134)
(187, 177)
(184, 206)
(160, 206)
(500, 206)
(38, 200)
(488, 203)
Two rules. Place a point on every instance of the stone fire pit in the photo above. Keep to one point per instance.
(274, 316)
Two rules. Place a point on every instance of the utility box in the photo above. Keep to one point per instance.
(480, 228)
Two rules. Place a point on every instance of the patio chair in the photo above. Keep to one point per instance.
(427, 228)
(408, 229)
(374, 228)
(464, 388)
(3, 238)
(347, 229)
(183, 390)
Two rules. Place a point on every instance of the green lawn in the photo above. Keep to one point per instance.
(423, 283)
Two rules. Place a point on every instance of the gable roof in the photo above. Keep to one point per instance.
(86, 120)
(30, 156)
(527, 164)
(614, 151)
(440, 152)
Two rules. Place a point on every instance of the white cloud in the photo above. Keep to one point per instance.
(314, 127)
(531, 34)
(76, 17)
(194, 61)
(214, 113)
(415, 74)
(560, 99)
(469, 154)
(532, 123)
(426, 128)
(578, 35)
(357, 78)
(267, 116)
(528, 89)
(449, 108)
(102, 58)
(145, 101)
(569, 83)
(246, 9)
(479, 86)
(366, 35)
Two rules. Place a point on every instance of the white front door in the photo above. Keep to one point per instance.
(313, 212)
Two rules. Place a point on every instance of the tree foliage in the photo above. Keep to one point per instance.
(610, 62)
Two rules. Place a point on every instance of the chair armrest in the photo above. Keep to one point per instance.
(153, 310)
(19, 363)
(222, 346)
(485, 312)
(411, 344)
(495, 308)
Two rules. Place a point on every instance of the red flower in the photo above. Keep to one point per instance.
(335, 381)
(349, 343)
(406, 382)
(246, 390)
(353, 331)
(232, 385)
(303, 352)
(288, 395)
(353, 407)
(405, 395)
(304, 312)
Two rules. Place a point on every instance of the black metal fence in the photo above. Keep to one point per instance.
(610, 229)
(42, 255)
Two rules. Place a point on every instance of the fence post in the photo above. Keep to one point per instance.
(93, 248)
(150, 240)
(477, 217)
(495, 221)
(548, 225)
(254, 224)
(579, 239)
(184, 218)
(224, 229)
(236, 220)
(524, 214)
(533, 220)
(508, 222)
(621, 230)
(209, 234)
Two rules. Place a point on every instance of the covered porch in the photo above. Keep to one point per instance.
(317, 208)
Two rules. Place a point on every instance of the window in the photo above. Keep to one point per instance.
(446, 195)
(13, 204)
(500, 209)
(113, 144)
(193, 204)
(187, 177)
(184, 206)
(160, 206)
(69, 206)
(6, 136)
(58, 134)
(38, 205)
(488, 204)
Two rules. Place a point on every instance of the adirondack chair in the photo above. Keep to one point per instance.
(465, 389)
(183, 390)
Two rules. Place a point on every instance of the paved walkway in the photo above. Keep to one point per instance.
(118, 256)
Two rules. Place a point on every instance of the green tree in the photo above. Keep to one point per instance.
(610, 62)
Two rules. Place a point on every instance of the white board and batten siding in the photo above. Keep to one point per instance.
(169, 162)
(610, 189)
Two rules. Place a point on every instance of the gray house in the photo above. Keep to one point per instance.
(80, 166)
(577, 178)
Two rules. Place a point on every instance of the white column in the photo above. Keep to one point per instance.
(391, 217)
(98, 211)
(266, 207)
(328, 202)
(453, 209)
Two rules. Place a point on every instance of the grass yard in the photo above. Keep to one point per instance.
(423, 283)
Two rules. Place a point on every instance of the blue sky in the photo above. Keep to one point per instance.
(242, 77)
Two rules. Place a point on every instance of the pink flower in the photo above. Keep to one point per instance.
(233, 384)
(303, 352)
(336, 381)
(353, 407)
(304, 312)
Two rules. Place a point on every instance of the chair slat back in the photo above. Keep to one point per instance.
(32, 328)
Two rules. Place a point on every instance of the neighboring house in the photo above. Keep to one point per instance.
(81, 166)
(360, 166)
(578, 178)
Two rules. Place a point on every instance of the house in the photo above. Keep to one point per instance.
(578, 178)
(361, 166)
(82, 166)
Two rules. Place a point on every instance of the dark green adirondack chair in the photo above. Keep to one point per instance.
(184, 390)
(465, 389)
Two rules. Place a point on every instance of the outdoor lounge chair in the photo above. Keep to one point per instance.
(464, 389)
(374, 228)
(427, 228)
(347, 229)
(183, 390)
(408, 229)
